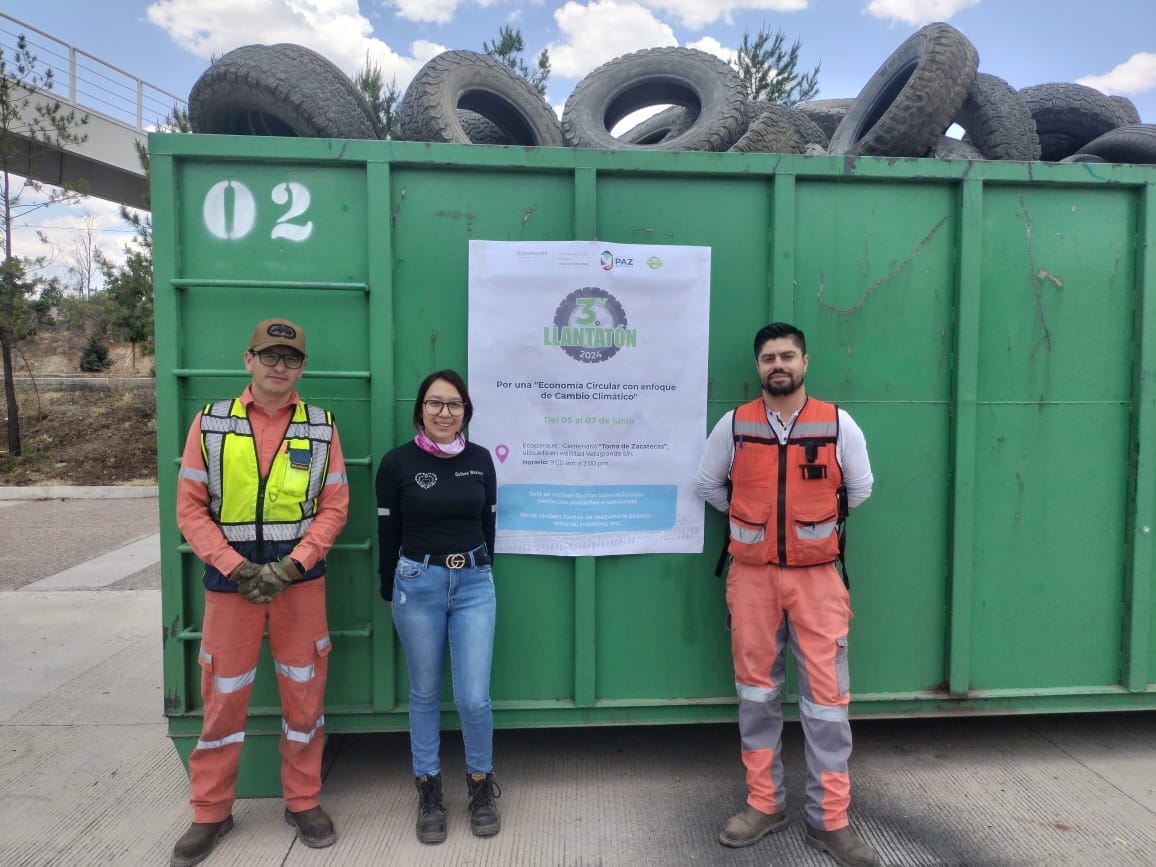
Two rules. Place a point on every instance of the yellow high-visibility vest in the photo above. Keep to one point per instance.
(277, 507)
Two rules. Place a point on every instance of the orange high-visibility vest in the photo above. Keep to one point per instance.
(786, 500)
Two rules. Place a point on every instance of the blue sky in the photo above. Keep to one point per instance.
(1110, 45)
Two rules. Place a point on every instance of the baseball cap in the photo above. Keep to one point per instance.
(277, 332)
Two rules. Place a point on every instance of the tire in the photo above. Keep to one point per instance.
(1068, 116)
(910, 100)
(1083, 158)
(671, 121)
(476, 82)
(1125, 110)
(997, 121)
(1126, 144)
(481, 130)
(808, 131)
(779, 130)
(827, 113)
(1059, 145)
(279, 90)
(948, 148)
(686, 77)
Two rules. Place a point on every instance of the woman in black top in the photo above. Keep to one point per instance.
(436, 512)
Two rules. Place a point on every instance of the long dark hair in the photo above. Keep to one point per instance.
(454, 379)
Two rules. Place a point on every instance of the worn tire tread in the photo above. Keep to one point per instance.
(475, 82)
(940, 65)
(1068, 116)
(291, 84)
(654, 76)
(997, 121)
(1135, 143)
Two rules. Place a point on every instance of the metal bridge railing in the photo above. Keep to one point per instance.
(92, 84)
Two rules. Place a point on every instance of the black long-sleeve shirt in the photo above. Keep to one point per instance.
(433, 505)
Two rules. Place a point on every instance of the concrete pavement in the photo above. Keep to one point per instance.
(88, 775)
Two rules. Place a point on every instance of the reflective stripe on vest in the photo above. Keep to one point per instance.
(279, 507)
(784, 501)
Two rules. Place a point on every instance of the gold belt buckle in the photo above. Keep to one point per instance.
(455, 561)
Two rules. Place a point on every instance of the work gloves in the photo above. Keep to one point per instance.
(261, 584)
(245, 576)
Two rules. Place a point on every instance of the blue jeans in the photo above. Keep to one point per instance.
(431, 603)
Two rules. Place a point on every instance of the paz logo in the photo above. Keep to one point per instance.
(654, 262)
(607, 260)
(425, 481)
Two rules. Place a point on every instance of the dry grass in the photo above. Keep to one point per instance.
(96, 436)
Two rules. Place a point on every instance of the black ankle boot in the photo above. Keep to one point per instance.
(484, 819)
(431, 813)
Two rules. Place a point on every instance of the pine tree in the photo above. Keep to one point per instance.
(94, 357)
(508, 48)
(383, 98)
(30, 121)
(768, 70)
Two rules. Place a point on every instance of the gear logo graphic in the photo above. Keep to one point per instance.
(590, 325)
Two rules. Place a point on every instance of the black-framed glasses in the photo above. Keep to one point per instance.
(269, 358)
(434, 406)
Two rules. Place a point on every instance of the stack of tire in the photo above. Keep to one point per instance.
(930, 82)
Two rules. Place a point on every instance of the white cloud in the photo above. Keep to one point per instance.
(335, 29)
(64, 227)
(432, 11)
(600, 31)
(917, 11)
(1135, 75)
(696, 14)
(712, 46)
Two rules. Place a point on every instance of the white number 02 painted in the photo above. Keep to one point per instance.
(297, 198)
(230, 211)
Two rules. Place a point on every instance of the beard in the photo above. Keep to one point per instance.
(781, 387)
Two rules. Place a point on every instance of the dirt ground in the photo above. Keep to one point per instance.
(85, 436)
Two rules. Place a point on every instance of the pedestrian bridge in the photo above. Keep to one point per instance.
(120, 107)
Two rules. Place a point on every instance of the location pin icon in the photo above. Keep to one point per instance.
(502, 452)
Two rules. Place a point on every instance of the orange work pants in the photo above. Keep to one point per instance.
(230, 645)
(809, 607)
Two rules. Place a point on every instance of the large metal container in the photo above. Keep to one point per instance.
(992, 327)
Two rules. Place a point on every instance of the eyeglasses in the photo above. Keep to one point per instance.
(269, 358)
(435, 407)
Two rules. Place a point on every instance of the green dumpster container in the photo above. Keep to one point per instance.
(991, 326)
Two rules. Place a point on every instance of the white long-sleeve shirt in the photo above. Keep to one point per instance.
(715, 467)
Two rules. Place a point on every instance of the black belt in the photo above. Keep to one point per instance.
(479, 556)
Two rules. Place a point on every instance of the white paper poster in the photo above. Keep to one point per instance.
(587, 365)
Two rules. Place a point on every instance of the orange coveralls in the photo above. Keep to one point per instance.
(783, 588)
(233, 627)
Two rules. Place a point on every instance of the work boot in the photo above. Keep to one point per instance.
(431, 812)
(844, 846)
(750, 826)
(484, 819)
(314, 827)
(198, 841)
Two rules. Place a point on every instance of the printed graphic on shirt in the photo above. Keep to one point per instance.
(426, 480)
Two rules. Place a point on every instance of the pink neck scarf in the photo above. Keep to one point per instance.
(427, 445)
